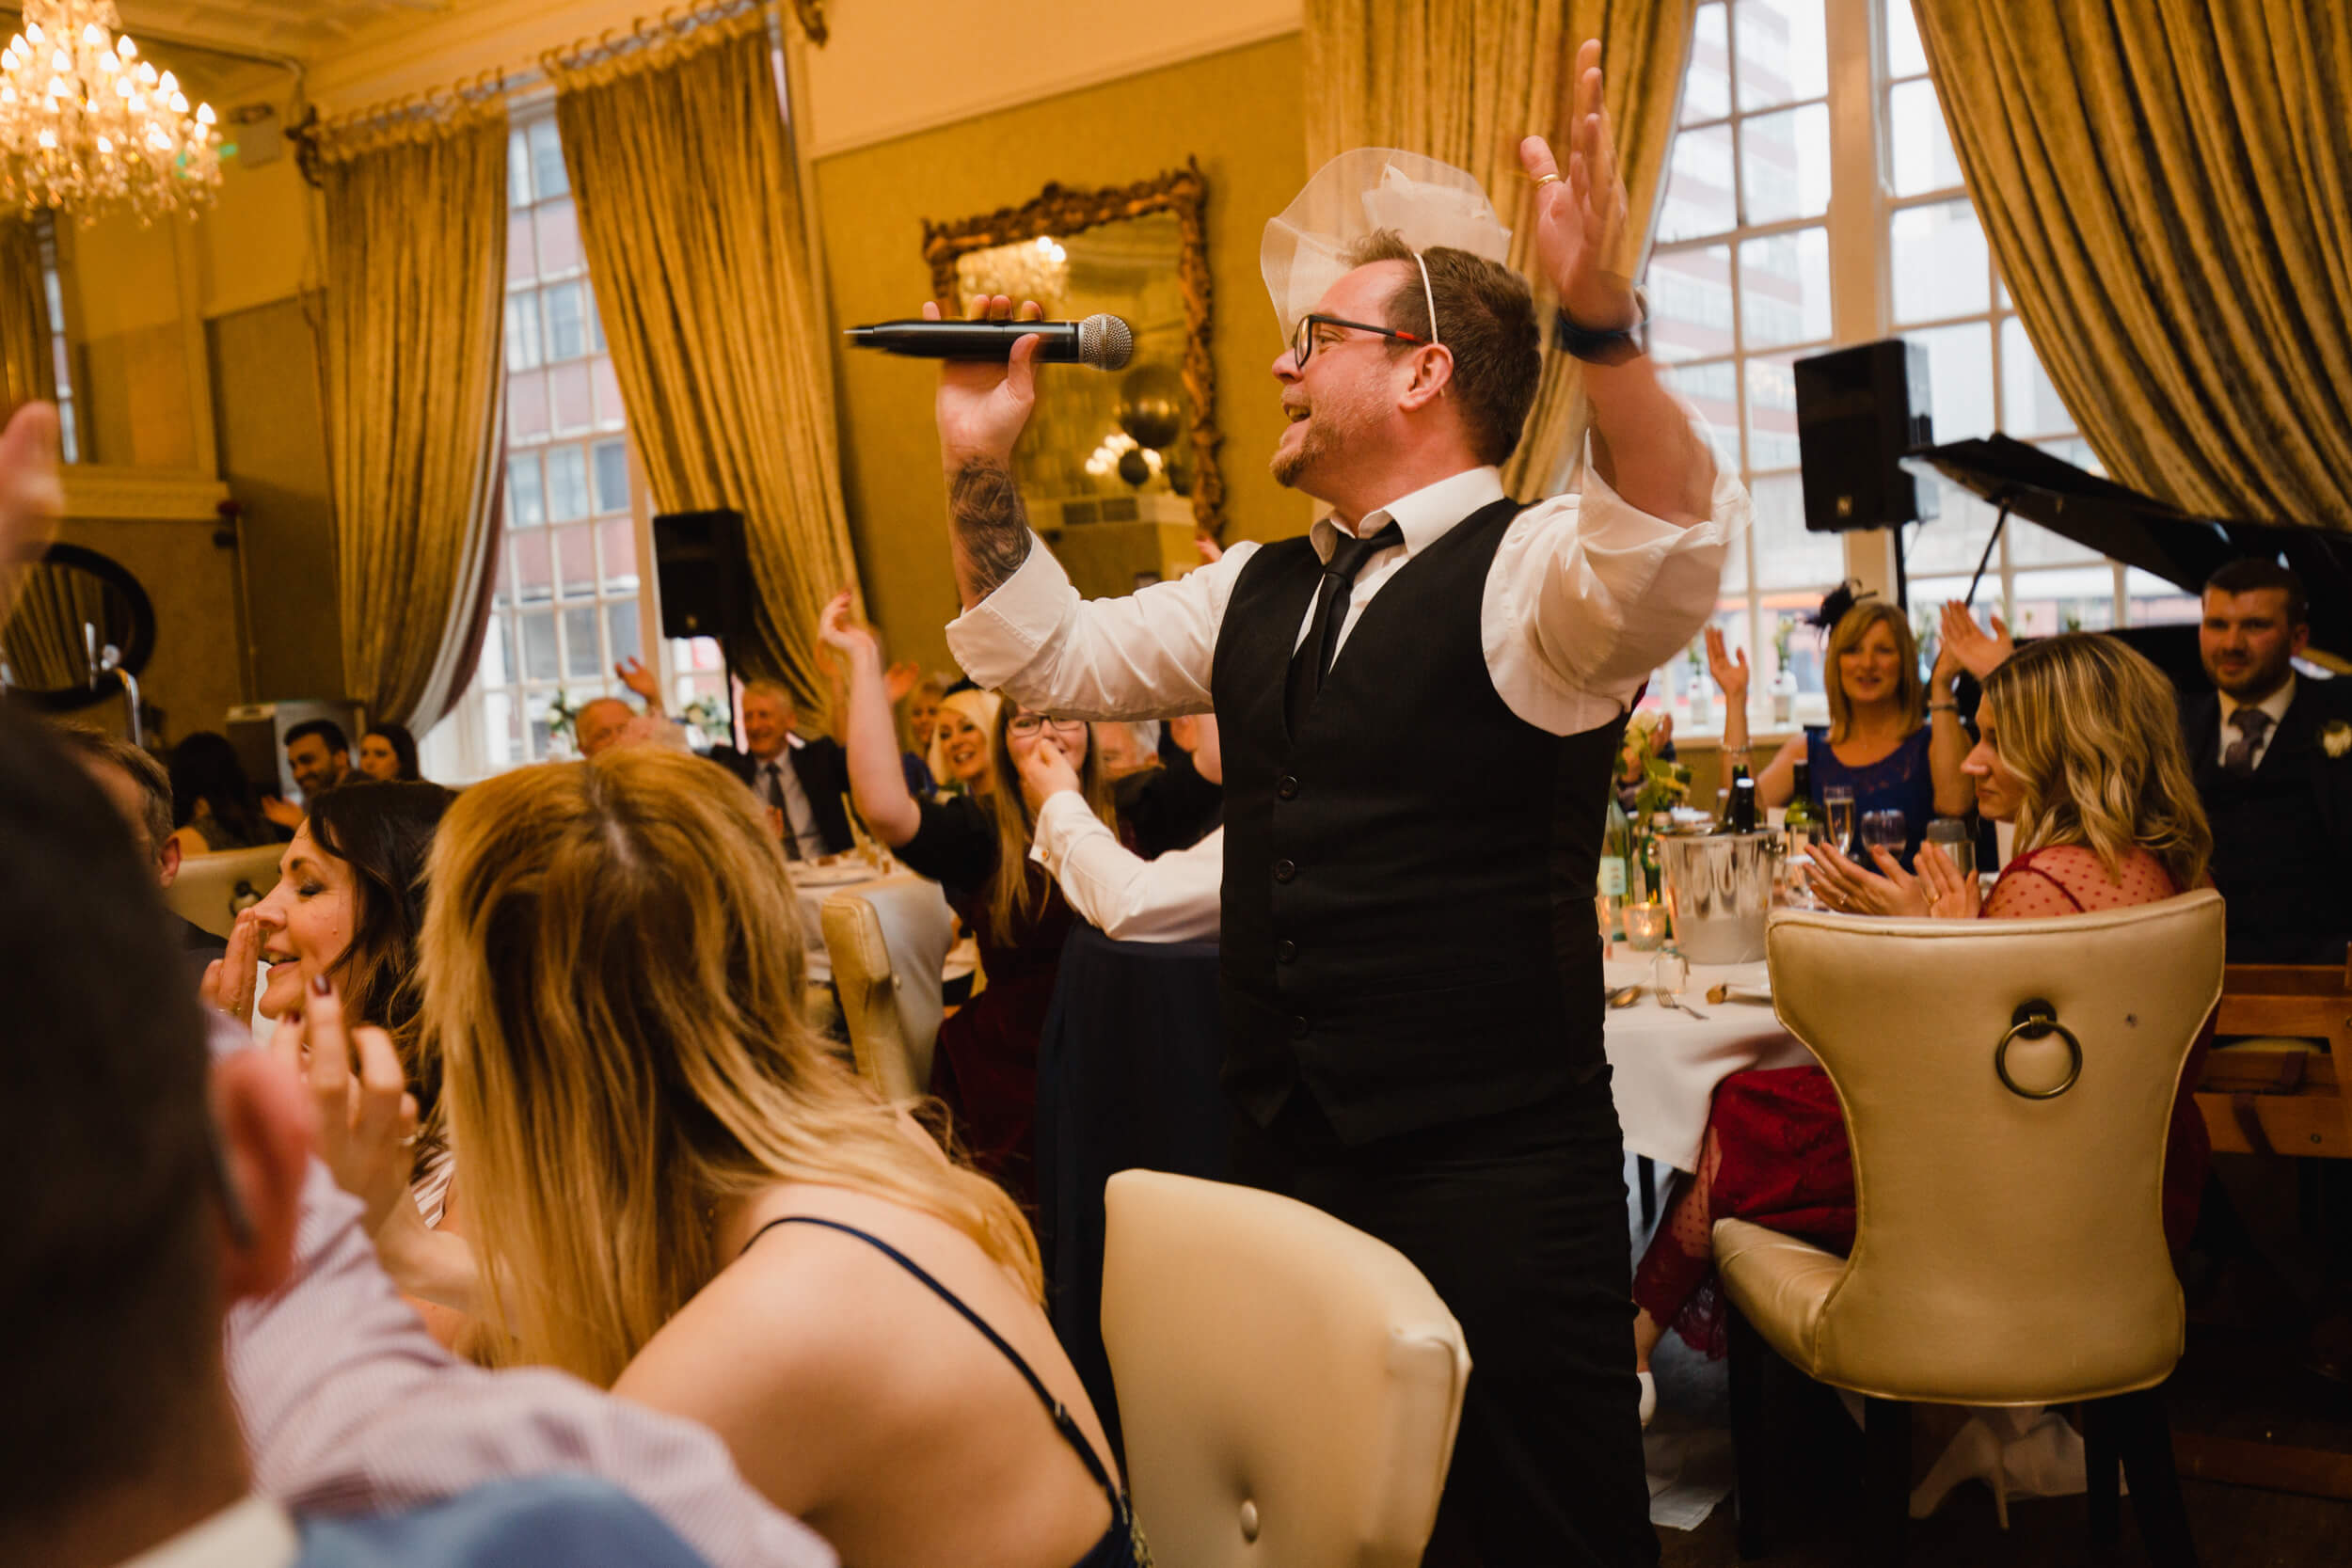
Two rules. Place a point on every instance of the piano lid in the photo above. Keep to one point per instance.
(2181, 548)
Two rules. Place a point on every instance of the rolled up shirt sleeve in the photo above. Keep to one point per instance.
(1143, 656)
(1589, 595)
(1173, 898)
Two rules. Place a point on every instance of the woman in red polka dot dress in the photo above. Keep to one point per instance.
(2080, 747)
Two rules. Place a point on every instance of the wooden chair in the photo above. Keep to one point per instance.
(2281, 1090)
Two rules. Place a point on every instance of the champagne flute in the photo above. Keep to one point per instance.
(1837, 806)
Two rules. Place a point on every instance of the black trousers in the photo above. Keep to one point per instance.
(1518, 1221)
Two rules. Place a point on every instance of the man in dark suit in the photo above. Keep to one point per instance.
(2272, 756)
(802, 781)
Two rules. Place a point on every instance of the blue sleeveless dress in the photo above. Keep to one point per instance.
(1900, 781)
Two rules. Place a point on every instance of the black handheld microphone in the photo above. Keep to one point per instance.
(1104, 341)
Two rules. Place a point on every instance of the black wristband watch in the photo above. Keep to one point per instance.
(1598, 347)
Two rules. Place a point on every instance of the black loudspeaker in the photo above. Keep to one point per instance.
(705, 577)
(1858, 411)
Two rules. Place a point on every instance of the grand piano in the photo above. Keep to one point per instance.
(2163, 541)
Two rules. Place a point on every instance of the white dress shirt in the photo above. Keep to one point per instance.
(1173, 898)
(1587, 596)
(797, 814)
(2275, 705)
(253, 1533)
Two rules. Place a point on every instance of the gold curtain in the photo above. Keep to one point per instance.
(27, 367)
(1463, 81)
(691, 213)
(416, 270)
(2168, 187)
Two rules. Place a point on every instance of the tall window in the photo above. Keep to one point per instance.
(566, 600)
(1766, 207)
(61, 355)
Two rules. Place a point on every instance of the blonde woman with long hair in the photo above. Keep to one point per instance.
(976, 844)
(1895, 743)
(677, 1194)
(2080, 747)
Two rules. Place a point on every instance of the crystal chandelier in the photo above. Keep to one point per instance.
(88, 127)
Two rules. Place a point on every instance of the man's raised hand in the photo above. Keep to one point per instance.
(982, 407)
(1580, 215)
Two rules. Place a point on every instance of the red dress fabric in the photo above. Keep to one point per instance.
(1776, 1152)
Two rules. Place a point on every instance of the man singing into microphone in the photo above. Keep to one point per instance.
(1412, 974)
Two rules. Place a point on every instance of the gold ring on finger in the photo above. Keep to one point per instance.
(1543, 180)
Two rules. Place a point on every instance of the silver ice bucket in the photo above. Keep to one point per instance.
(1719, 887)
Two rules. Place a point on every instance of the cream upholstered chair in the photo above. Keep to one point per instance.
(2007, 1182)
(210, 887)
(888, 941)
(1289, 1385)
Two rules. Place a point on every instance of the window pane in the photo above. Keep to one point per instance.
(1784, 289)
(612, 475)
(1920, 144)
(1938, 262)
(502, 728)
(558, 227)
(1772, 413)
(1905, 56)
(2153, 602)
(538, 638)
(533, 583)
(588, 310)
(1784, 52)
(2030, 403)
(1960, 378)
(1713, 390)
(1690, 303)
(584, 655)
(575, 561)
(54, 290)
(518, 170)
(522, 332)
(2032, 544)
(1783, 165)
(1706, 84)
(620, 626)
(69, 440)
(2074, 450)
(61, 365)
(526, 408)
(1786, 555)
(535, 719)
(610, 413)
(2081, 600)
(619, 538)
(1954, 540)
(547, 161)
(1698, 187)
(568, 484)
(525, 506)
(522, 265)
(567, 335)
(498, 657)
(568, 390)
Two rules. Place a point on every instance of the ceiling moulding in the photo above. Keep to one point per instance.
(94, 493)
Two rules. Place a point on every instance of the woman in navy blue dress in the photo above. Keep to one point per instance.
(1897, 745)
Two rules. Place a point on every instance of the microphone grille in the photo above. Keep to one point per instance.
(1105, 342)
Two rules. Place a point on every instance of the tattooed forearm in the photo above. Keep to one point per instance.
(989, 526)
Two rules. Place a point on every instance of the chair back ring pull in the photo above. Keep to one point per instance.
(2036, 1020)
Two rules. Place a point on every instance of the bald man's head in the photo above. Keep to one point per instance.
(598, 724)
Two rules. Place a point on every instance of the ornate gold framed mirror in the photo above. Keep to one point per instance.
(1138, 445)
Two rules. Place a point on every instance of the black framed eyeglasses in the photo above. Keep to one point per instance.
(1303, 340)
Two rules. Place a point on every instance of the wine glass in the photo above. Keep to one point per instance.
(1838, 807)
(1884, 829)
(1958, 840)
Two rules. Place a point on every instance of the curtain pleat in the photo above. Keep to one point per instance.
(2166, 185)
(1463, 81)
(691, 212)
(416, 268)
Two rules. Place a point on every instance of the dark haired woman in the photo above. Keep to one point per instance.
(212, 800)
(388, 753)
(976, 847)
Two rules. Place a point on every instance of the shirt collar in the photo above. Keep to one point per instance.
(254, 1533)
(2276, 705)
(1424, 516)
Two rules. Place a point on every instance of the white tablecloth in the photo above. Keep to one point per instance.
(1666, 1063)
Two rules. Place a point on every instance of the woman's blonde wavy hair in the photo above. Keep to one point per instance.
(1852, 626)
(2092, 732)
(612, 967)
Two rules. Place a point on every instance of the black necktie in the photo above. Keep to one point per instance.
(1311, 660)
(772, 789)
(2250, 724)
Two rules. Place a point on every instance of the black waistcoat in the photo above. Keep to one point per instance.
(1409, 924)
(2286, 896)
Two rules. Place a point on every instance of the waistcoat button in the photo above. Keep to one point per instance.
(1285, 951)
(1299, 1027)
(1285, 870)
(1286, 787)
